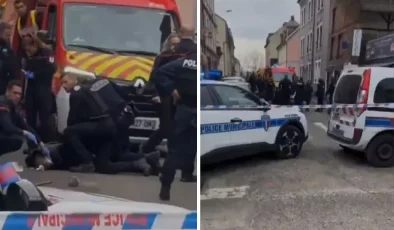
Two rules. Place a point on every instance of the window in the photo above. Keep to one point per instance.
(346, 91)
(302, 19)
(310, 11)
(302, 46)
(88, 25)
(304, 16)
(231, 95)
(205, 96)
(339, 48)
(307, 44)
(51, 22)
(384, 92)
(333, 16)
(319, 36)
(317, 70)
(332, 48)
(320, 5)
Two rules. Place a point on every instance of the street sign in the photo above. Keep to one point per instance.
(380, 48)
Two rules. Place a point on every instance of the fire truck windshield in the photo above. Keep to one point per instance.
(115, 28)
(278, 76)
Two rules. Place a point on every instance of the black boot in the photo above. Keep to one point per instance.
(165, 192)
(153, 160)
(84, 168)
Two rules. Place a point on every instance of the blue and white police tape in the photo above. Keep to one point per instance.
(97, 221)
(329, 106)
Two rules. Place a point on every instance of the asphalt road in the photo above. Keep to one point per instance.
(132, 186)
(324, 188)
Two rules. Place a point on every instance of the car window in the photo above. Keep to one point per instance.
(384, 92)
(346, 91)
(205, 97)
(231, 95)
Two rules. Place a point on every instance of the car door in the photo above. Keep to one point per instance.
(212, 136)
(248, 125)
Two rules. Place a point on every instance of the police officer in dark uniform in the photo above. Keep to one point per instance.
(285, 90)
(39, 67)
(299, 89)
(13, 128)
(7, 57)
(179, 79)
(88, 120)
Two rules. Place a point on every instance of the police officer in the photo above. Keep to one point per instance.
(39, 67)
(88, 120)
(13, 128)
(179, 79)
(320, 94)
(7, 57)
(285, 90)
(299, 89)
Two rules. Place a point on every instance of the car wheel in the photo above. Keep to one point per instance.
(380, 152)
(289, 142)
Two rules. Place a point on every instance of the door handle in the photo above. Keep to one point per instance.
(235, 120)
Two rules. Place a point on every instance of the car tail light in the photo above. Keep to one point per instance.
(364, 88)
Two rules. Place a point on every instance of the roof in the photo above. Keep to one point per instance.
(212, 82)
(159, 4)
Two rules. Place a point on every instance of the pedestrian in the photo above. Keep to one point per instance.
(320, 92)
(164, 102)
(260, 85)
(269, 85)
(7, 57)
(299, 89)
(178, 78)
(39, 66)
(285, 90)
(253, 82)
(13, 128)
(330, 93)
(308, 93)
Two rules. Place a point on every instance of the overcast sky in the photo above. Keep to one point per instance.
(252, 20)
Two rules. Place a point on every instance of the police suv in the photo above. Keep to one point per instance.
(367, 130)
(228, 131)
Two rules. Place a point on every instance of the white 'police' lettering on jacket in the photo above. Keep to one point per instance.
(190, 64)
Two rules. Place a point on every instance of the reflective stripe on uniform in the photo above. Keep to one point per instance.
(33, 20)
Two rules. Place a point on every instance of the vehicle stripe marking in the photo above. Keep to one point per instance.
(80, 58)
(96, 59)
(379, 122)
(138, 73)
(145, 61)
(122, 68)
(19, 221)
(107, 67)
(224, 127)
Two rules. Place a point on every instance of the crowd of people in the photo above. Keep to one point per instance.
(290, 90)
(96, 137)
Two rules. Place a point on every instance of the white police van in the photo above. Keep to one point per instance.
(234, 132)
(369, 130)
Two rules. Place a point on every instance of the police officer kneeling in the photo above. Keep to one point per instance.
(13, 128)
(179, 78)
(88, 120)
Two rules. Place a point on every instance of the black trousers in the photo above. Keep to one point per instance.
(10, 143)
(166, 128)
(39, 102)
(185, 151)
(102, 132)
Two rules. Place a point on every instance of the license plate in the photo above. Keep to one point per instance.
(145, 123)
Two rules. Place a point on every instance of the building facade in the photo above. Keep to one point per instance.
(277, 39)
(314, 25)
(225, 44)
(208, 33)
(237, 67)
(371, 17)
(293, 51)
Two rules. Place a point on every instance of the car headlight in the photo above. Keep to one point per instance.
(79, 72)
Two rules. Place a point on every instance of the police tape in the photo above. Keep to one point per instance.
(329, 106)
(97, 221)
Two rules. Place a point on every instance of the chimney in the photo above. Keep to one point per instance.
(292, 18)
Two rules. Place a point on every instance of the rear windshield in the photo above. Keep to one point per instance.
(346, 91)
(279, 76)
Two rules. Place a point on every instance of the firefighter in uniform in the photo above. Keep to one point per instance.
(179, 79)
(39, 67)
